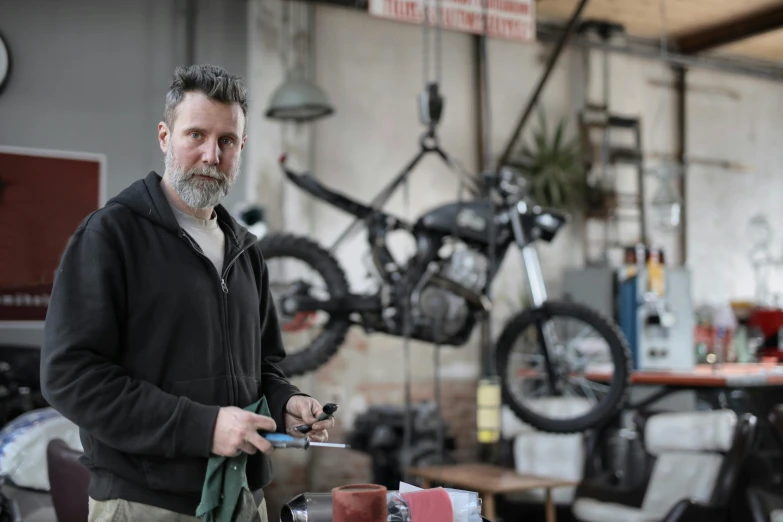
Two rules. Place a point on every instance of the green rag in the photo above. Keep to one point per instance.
(225, 480)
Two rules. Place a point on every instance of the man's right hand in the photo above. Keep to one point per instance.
(236, 430)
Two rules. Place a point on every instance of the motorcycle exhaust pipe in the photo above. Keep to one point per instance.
(308, 507)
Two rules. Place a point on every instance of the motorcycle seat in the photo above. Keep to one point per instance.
(309, 183)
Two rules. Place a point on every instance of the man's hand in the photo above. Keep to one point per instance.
(236, 430)
(304, 410)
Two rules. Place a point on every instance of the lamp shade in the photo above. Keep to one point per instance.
(298, 99)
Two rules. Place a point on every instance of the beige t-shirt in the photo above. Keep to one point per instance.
(207, 233)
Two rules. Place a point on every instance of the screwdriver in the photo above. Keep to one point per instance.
(281, 441)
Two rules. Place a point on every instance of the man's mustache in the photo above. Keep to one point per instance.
(208, 172)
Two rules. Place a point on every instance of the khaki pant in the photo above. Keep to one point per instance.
(117, 510)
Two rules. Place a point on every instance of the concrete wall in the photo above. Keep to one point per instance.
(91, 76)
(740, 122)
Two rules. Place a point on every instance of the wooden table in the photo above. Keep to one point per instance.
(727, 375)
(488, 481)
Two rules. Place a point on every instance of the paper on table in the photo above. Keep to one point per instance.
(462, 503)
(406, 488)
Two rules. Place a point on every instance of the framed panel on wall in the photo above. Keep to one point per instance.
(44, 195)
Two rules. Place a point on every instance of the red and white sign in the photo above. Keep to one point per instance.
(508, 19)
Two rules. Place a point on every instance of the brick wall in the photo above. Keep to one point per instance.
(320, 470)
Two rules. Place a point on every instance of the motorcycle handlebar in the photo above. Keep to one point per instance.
(293, 176)
(282, 161)
(507, 182)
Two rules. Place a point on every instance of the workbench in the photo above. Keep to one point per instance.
(488, 480)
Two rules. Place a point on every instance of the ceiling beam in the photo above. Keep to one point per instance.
(648, 48)
(740, 28)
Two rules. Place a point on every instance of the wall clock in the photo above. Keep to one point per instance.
(5, 63)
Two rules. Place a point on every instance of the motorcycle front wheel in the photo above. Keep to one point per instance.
(300, 260)
(573, 353)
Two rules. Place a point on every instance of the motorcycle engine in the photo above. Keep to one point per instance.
(465, 267)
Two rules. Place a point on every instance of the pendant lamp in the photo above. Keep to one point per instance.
(298, 99)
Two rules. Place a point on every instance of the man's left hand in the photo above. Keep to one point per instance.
(305, 410)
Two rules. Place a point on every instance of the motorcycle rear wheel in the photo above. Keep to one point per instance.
(328, 342)
(608, 407)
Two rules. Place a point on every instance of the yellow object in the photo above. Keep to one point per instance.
(488, 402)
(655, 275)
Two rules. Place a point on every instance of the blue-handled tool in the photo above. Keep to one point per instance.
(281, 441)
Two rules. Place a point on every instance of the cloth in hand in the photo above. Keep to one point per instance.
(226, 480)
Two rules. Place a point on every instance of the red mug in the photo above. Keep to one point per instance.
(359, 503)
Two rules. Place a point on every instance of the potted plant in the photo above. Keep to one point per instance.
(599, 202)
(553, 165)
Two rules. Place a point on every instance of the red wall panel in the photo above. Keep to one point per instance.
(42, 201)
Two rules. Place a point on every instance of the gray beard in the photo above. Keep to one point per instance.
(198, 193)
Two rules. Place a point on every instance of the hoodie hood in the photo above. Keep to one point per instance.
(145, 197)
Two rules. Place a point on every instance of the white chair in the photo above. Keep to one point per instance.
(697, 458)
(546, 454)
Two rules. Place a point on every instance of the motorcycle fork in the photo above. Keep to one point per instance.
(538, 295)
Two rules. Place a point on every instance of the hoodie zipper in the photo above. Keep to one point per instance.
(234, 390)
(224, 287)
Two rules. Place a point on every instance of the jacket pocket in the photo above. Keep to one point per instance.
(209, 391)
(186, 474)
(248, 391)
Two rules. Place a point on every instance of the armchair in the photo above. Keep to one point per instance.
(698, 456)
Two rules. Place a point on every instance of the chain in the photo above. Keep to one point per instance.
(428, 74)
(438, 46)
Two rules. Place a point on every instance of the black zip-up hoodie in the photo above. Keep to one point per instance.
(144, 341)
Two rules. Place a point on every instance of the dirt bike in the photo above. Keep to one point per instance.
(445, 283)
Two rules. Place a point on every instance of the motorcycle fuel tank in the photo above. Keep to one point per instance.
(469, 220)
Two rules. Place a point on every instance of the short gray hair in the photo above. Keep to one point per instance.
(215, 82)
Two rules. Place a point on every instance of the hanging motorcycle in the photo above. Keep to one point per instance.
(446, 282)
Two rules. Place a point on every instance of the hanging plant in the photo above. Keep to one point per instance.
(553, 165)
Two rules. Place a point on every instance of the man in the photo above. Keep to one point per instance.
(161, 328)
